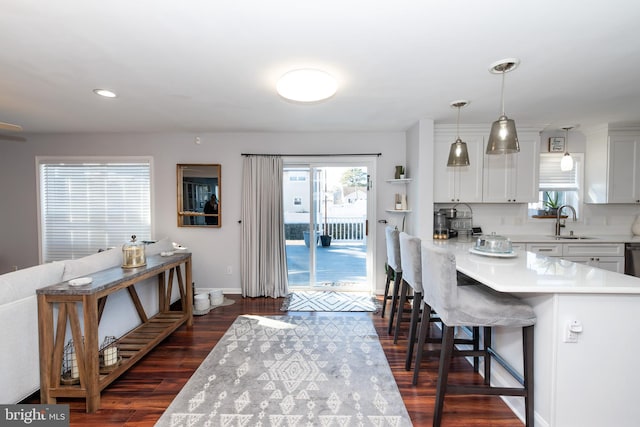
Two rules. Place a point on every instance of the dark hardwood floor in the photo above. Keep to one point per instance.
(141, 395)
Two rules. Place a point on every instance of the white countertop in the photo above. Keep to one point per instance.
(529, 272)
(593, 238)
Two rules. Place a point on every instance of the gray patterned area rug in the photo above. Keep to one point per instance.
(329, 301)
(285, 371)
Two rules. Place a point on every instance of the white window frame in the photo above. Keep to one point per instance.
(40, 160)
(579, 168)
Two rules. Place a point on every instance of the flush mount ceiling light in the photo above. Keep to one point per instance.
(105, 92)
(458, 154)
(566, 164)
(307, 85)
(503, 137)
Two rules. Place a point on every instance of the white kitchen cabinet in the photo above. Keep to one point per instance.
(615, 264)
(460, 183)
(518, 247)
(513, 178)
(608, 256)
(593, 249)
(624, 169)
(548, 249)
(611, 263)
(508, 178)
(612, 165)
(602, 255)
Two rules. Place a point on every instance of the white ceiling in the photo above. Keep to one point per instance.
(200, 66)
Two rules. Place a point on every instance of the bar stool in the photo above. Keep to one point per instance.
(394, 272)
(425, 328)
(475, 305)
(410, 249)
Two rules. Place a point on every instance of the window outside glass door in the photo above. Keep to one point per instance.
(326, 210)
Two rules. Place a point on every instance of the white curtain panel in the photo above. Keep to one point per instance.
(263, 262)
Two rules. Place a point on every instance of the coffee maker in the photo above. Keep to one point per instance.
(442, 228)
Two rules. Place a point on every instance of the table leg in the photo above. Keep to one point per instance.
(45, 342)
(188, 306)
(91, 360)
(181, 286)
(162, 293)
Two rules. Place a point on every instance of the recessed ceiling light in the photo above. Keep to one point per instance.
(307, 85)
(105, 92)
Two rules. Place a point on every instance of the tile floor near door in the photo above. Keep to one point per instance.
(140, 396)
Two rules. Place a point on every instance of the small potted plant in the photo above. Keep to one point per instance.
(551, 203)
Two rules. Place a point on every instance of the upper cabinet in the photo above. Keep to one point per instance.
(509, 178)
(612, 165)
(513, 178)
(460, 183)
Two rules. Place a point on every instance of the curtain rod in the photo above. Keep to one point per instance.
(315, 155)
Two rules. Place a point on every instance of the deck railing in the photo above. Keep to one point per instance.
(338, 227)
(344, 228)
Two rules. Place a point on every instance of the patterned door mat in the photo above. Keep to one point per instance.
(294, 370)
(329, 301)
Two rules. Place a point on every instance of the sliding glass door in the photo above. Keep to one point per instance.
(326, 210)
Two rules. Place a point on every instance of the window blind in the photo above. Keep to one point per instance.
(87, 206)
(552, 178)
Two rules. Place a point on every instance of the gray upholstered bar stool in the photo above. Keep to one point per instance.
(475, 305)
(425, 328)
(410, 249)
(394, 272)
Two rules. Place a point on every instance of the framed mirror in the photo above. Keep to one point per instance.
(199, 195)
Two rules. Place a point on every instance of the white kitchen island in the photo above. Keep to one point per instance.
(592, 382)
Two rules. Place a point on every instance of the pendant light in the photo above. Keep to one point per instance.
(503, 138)
(566, 164)
(458, 154)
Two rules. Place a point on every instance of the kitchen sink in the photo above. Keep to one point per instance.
(570, 237)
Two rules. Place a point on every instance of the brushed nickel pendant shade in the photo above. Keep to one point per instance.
(458, 153)
(503, 138)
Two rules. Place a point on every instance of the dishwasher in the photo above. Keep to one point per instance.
(632, 259)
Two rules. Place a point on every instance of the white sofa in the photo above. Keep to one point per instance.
(19, 358)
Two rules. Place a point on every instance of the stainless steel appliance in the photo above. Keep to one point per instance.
(632, 259)
(442, 228)
(452, 222)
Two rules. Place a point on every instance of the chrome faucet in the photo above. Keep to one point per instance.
(558, 223)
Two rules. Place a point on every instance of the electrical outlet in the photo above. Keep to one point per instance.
(573, 329)
(570, 336)
(229, 270)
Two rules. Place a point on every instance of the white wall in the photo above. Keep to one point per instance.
(213, 249)
(420, 148)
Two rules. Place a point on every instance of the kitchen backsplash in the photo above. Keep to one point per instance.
(510, 219)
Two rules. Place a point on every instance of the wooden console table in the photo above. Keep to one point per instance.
(93, 297)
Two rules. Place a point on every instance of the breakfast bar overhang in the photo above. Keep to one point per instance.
(589, 382)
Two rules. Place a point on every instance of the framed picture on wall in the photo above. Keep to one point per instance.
(556, 144)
